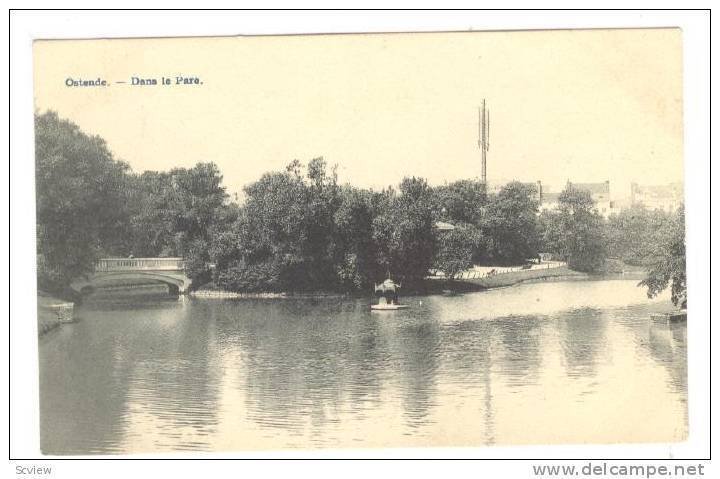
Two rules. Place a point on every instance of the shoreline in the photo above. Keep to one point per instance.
(52, 312)
(561, 273)
(222, 294)
(428, 286)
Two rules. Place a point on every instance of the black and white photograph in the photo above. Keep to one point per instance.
(360, 241)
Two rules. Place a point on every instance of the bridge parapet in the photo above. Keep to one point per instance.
(106, 265)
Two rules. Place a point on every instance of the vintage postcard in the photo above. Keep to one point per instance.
(460, 239)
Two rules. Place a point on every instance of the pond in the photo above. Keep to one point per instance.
(542, 363)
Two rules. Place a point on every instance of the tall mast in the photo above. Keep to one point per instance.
(484, 137)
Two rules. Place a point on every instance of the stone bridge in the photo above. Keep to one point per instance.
(128, 271)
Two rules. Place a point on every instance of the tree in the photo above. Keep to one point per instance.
(403, 231)
(276, 226)
(320, 250)
(575, 231)
(82, 193)
(175, 214)
(355, 265)
(287, 230)
(455, 250)
(633, 234)
(667, 266)
(153, 218)
(510, 224)
(461, 201)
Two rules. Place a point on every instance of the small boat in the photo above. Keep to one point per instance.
(387, 294)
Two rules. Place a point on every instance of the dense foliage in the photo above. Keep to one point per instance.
(510, 225)
(456, 249)
(634, 234)
(79, 187)
(462, 201)
(575, 231)
(90, 205)
(300, 230)
(667, 264)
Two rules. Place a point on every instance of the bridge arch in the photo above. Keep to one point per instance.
(170, 271)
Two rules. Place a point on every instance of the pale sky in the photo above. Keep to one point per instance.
(586, 106)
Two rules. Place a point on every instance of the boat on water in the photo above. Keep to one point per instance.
(387, 294)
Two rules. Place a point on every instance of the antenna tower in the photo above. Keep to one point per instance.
(484, 137)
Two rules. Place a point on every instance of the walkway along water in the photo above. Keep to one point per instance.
(514, 277)
(488, 277)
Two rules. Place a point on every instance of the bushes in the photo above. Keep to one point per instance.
(258, 277)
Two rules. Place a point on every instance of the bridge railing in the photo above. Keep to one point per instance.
(140, 264)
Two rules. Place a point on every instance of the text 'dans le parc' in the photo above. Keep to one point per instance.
(134, 81)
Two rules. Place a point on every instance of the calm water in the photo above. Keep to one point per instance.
(539, 363)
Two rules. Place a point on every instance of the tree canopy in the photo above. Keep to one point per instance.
(633, 234)
(81, 194)
(575, 231)
(667, 265)
(91, 205)
(299, 229)
(510, 224)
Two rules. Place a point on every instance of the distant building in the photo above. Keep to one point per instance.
(666, 198)
(600, 193)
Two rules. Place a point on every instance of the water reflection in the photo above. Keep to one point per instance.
(583, 333)
(415, 345)
(668, 346)
(174, 387)
(508, 366)
(520, 357)
(469, 369)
